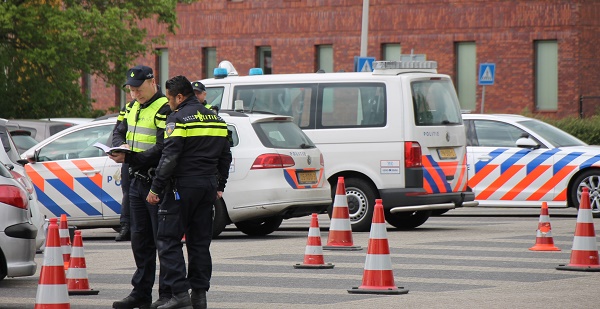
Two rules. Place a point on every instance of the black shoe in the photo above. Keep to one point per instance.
(199, 299)
(130, 302)
(159, 302)
(124, 234)
(178, 301)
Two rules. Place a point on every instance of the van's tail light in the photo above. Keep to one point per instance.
(272, 160)
(412, 154)
(13, 196)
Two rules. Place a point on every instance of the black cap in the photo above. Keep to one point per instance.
(137, 75)
(198, 86)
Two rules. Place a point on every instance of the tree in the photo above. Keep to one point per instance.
(47, 45)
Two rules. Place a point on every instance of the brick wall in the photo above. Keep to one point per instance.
(504, 33)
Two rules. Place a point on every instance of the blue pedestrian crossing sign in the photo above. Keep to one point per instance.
(364, 64)
(487, 72)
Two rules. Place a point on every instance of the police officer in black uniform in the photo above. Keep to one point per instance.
(143, 130)
(192, 173)
(200, 92)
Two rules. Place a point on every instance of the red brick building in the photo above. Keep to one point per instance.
(545, 51)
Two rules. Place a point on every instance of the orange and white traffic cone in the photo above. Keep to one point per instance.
(313, 254)
(77, 277)
(65, 240)
(378, 277)
(584, 253)
(340, 228)
(543, 239)
(52, 286)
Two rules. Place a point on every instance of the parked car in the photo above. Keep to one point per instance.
(69, 120)
(17, 234)
(10, 157)
(276, 173)
(516, 161)
(40, 129)
(23, 140)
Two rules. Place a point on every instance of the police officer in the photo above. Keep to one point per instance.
(192, 173)
(124, 220)
(143, 130)
(200, 92)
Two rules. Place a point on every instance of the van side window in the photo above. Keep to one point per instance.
(352, 105)
(290, 100)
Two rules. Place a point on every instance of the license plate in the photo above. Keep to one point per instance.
(307, 177)
(447, 153)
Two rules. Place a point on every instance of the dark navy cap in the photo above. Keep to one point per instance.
(198, 86)
(137, 75)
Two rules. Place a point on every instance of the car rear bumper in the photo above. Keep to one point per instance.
(18, 245)
(407, 198)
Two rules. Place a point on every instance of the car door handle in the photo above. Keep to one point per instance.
(484, 158)
(91, 172)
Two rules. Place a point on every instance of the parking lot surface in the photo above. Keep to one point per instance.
(467, 258)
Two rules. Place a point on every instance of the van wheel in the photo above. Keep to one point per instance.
(589, 179)
(407, 220)
(361, 202)
(220, 217)
(259, 227)
(439, 212)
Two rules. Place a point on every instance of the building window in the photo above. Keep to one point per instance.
(162, 66)
(209, 61)
(546, 75)
(391, 52)
(466, 74)
(324, 58)
(263, 59)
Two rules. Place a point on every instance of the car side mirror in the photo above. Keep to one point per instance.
(23, 161)
(527, 143)
(31, 156)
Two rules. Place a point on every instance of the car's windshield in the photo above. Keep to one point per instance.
(553, 135)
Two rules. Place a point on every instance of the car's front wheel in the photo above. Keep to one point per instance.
(259, 227)
(589, 179)
(407, 220)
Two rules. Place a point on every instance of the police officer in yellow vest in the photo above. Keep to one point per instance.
(143, 130)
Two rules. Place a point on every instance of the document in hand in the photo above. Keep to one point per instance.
(111, 150)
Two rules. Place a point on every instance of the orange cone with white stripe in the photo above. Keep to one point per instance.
(65, 240)
(340, 228)
(378, 277)
(543, 239)
(584, 254)
(77, 278)
(313, 254)
(52, 286)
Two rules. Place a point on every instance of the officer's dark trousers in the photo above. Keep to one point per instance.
(192, 215)
(125, 183)
(144, 225)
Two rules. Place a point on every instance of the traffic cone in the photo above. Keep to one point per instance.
(77, 278)
(65, 240)
(313, 255)
(584, 254)
(543, 239)
(378, 277)
(52, 285)
(340, 229)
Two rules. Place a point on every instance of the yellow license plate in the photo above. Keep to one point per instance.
(447, 153)
(307, 177)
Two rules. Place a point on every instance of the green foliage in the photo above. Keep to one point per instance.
(47, 45)
(587, 130)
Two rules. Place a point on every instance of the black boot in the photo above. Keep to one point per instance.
(199, 299)
(130, 302)
(124, 234)
(159, 302)
(178, 301)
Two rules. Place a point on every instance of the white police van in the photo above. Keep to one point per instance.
(395, 133)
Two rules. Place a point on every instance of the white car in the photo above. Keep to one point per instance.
(516, 161)
(276, 173)
(10, 157)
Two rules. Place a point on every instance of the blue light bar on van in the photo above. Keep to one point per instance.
(255, 71)
(220, 72)
(391, 65)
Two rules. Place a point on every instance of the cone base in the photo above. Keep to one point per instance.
(357, 290)
(544, 248)
(343, 248)
(84, 292)
(579, 268)
(314, 266)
